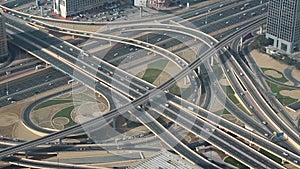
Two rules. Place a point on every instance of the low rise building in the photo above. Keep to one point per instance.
(67, 8)
(159, 4)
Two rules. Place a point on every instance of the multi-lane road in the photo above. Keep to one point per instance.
(192, 66)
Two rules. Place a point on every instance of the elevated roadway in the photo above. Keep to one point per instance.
(186, 151)
(141, 99)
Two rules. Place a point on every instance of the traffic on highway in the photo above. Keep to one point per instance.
(176, 77)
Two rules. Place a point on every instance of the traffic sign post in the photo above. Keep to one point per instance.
(141, 4)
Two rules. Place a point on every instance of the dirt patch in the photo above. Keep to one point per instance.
(224, 82)
(88, 111)
(58, 126)
(8, 119)
(264, 60)
(232, 119)
(61, 120)
(289, 83)
(46, 124)
(140, 74)
(296, 74)
(293, 93)
(11, 115)
(188, 55)
(80, 90)
(138, 71)
(164, 76)
(43, 116)
(65, 96)
(20, 131)
(273, 73)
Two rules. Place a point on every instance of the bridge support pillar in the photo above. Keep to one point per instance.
(26, 154)
(260, 30)
(241, 41)
(114, 123)
(212, 60)
(60, 141)
(198, 70)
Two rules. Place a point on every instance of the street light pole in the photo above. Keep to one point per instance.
(7, 88)
(7, 73)
(206, 16)
(58, 159)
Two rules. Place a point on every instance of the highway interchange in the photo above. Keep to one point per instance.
(140, 99)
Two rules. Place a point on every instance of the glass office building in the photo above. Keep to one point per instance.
(283, 25)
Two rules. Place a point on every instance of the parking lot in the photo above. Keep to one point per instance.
(124, 11)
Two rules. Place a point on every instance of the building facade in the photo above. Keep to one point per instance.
(3, 39)
(72, 7)
(159, 4)
(283, 25)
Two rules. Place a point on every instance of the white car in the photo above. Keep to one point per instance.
(285, 154)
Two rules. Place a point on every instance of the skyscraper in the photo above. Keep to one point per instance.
(283, 26)
(3, 39)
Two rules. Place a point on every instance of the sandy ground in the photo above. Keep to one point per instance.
(216, 106)
(88, 111)
(273, 73)
(296, 74)
(12, 125)
(264, 60)
(188, 55)
(169, 71)
(233, 119)
(224, 82)
(8, 119)
(293, 94)
(61, 121)
(42, 117)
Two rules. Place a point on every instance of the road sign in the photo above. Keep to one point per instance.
(140, 3)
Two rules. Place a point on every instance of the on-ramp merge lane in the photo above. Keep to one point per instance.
(136, 102)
